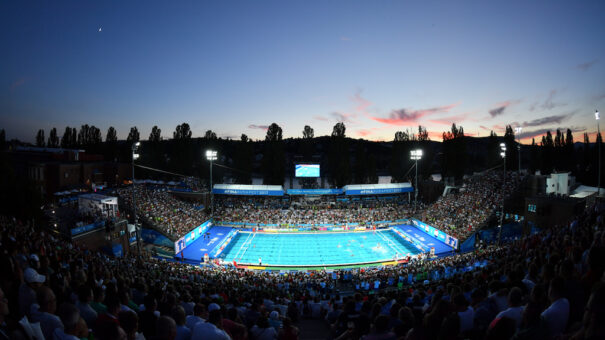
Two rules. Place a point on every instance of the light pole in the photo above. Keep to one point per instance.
(135, 155)
(211, 156)
(518, 132)
(503, 155)
(596, 115)
(416, 155)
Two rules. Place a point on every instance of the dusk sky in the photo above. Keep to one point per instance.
(237, 66)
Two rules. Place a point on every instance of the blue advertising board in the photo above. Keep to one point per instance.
(248, 192)
(314, 191)
(191, 236)
(438, 234)
(379, 191)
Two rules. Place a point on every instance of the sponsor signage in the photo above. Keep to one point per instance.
(248, 192)
(191, 236)
(438, 234)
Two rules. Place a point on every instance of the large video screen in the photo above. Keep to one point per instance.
(307, 170)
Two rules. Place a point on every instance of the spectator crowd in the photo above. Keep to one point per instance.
(163, 210)
(461, 213)
(315, 212)
(544, 286)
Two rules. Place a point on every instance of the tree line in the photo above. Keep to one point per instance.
(347, 160)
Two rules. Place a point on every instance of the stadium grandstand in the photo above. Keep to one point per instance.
(264, 262)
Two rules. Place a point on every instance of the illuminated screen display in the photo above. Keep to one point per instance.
(307, 170)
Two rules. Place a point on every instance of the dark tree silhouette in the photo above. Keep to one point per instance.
(274, 156)
(339, 157)
(133, 135)
(112, 135)
(182, 132)
(53, 139)
(210, 135)
(156, 134)
(40, 138)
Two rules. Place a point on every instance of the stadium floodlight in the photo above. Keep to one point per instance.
(596, 115)
(135, 156)
(518, 130)
(503, 155)
(416, 155)
(211, 155)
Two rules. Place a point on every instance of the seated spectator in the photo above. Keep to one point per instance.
(210, 330)
(515, 309)
(45, 315)
(262, 330)
(557, 314)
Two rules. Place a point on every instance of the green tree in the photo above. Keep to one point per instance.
(155, 135)
(40, 138)
(244, 158)
(339, 157)
(454, 152)
(210, 135)
(53, 140)
(83, 135)
(112, 135)
(133, 135)
(66, 138)
(274, 156)
(182, 132)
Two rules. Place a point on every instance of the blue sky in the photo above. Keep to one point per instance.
(237, 66)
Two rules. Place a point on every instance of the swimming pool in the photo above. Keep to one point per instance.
(317, 249)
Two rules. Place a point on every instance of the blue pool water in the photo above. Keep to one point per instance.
(316, 249)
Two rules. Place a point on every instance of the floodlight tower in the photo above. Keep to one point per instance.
(211, 156)
(416, 155)
(518, 133)
(596, 115)
(135, 156)
(503, 155)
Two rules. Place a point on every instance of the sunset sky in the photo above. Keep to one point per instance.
(237, 66)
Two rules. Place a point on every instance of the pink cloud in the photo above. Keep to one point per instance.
(363, 133)
(19, 82)
(362, 103)
(323, 119)
(411, 117)
(260, 127)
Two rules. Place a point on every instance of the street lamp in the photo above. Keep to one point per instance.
(211, 156)
(518, 133)
(596, 115)
(503, 155)
(135, 156)
(416, 155)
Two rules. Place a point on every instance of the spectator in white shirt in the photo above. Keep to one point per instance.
(200, 314)
(210, 330)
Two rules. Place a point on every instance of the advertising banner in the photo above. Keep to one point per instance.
(191, 236)
(438, 234)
